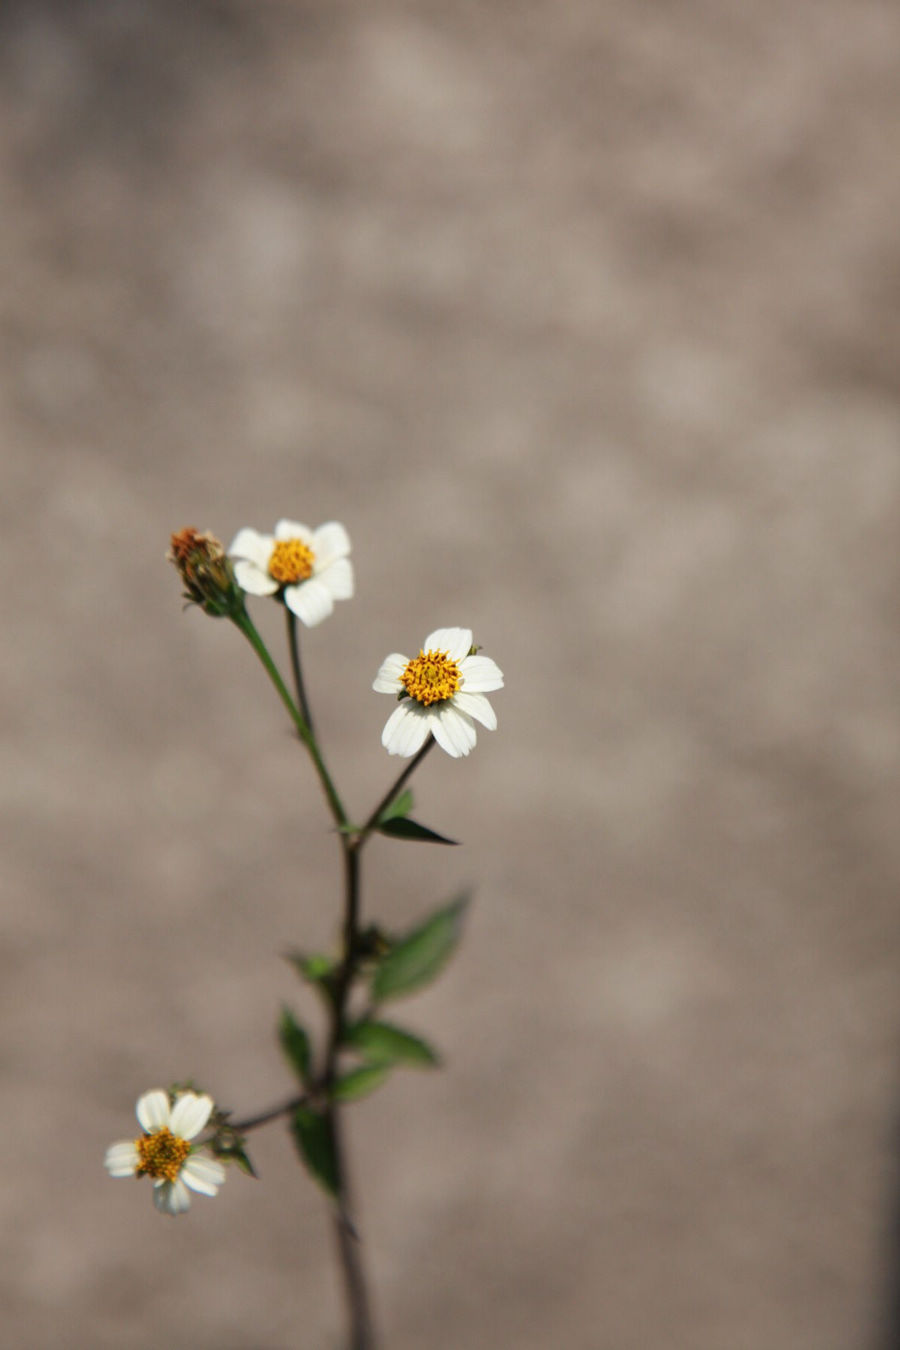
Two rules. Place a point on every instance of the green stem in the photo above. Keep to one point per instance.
(393, 792)
(272, 1113)
(362, 1336)
(294, 647)
(245, 624)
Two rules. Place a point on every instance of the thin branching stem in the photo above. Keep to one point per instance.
(393, 792)
(335, 805)
(294, 648)
(352, 839)
(361, 1329)
(362, 1335)
(285, 1108)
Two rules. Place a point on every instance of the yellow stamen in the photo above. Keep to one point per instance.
(431, 677)
(291, 561)
(162, 1154)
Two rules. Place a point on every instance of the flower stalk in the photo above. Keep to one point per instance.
(440, 695)
(294, 649)
(245, 624)
(347, 1239)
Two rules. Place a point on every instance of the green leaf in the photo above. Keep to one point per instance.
(243, 1161)
(314, 966)
(230, 1146)
(401, 827)
(360, 1082)
(400, 806)
(414, 960)
(315, 1144)
(295, 1044)
(316, 969)
(383, 1043)
(236, 1153)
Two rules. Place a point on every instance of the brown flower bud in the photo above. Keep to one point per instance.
(206, 572)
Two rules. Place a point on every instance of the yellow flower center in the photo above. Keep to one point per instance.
(291, 561)
(162, 1154)
(431, 677)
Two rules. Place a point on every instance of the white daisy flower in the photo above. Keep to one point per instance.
(442, 693)
(164, 1153)
(309, 569)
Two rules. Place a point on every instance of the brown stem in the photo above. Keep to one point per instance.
(271, 1113)
(362, 1334)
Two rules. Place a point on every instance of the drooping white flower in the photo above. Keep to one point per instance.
(442, 693)
(309, 569)
(164, 1153)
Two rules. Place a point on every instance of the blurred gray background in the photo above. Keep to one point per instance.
(584, 318)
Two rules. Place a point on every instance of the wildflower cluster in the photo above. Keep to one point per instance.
(440, 695)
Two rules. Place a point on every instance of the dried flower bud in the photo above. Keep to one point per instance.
(206, 572)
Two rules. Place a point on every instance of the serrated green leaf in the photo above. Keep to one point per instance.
(360, 1082)
(383, 1043)
(295, 1044)
(315, 1144)
(401, 827)
(414, 960)
(400, 806)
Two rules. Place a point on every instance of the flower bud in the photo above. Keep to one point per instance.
(206, 572)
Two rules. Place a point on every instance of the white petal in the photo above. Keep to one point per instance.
(152, 1110)
(190, 1113)
(453, 731)
(310, 600)
(477, 706)
(292, 529)
(203, 1174)
(406, 730)
(456, 642)
(256, 547)
(122, 1159)
(480, 674)
(254, 580)
(387, 681)
(338, 577)
(331, 542)
(171, 1197)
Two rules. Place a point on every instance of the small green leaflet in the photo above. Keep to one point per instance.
(359, 1082)
(400, 806)
(295, 1044)
(383, 1043)
(315, 1144)
(401, 827)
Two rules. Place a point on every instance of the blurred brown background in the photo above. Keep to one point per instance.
(584, 319)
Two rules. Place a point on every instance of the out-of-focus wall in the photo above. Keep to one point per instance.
(584, 318)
